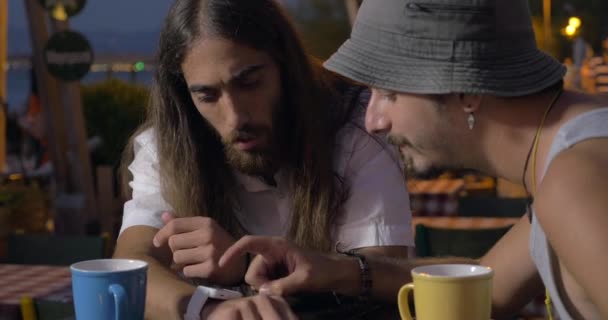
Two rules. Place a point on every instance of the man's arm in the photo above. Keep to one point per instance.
(572, 207)
(167, 295)
(315, 272)
(385, 251)
(388, 274)
(516, 281)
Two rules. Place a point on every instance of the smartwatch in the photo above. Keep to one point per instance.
(200, 297)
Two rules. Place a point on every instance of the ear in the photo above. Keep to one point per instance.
(470, 103)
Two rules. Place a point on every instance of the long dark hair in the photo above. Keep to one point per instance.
(195, 177)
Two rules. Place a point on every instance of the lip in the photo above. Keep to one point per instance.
(247, 145)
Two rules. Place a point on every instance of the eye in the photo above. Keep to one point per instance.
(207, 96)
(248, 83)
(206, 99)
(389, 95)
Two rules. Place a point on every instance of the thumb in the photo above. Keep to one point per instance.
(283, 287)
(166, 217)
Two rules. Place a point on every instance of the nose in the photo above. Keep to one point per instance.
(235, 111)
(376, 120)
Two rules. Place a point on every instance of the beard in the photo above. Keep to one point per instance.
(258, 161)
(410, 168)
(252, 162)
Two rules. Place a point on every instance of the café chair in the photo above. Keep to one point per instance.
(50, 249)
(492, 207)
(40, 309)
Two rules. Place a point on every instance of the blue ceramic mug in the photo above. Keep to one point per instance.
(107, 289)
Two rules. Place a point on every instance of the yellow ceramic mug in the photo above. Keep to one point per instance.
(448, 291)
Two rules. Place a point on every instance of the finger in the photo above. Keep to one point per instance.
(199, 270)
(166, 217)
(268, 308)
(189, 240)
(249, 311)
(282, 307)
(268, 247)
(258, 272)
(179, 225)
(191, 256)
(290, 284)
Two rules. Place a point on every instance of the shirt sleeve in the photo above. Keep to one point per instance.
(147, 203)
(377, 212)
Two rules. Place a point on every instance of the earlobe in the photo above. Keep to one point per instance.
(470, 102)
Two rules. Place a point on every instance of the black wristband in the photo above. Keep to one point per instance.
(366, 276)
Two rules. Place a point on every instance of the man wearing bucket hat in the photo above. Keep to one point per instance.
(461, 84)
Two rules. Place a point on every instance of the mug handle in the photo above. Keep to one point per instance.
(120, 301)
(403, 301)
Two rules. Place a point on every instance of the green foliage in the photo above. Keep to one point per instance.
(323, 24)
(22, 206)
(113, 109)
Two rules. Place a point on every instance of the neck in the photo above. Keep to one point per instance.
(510, 129)
(269, 179)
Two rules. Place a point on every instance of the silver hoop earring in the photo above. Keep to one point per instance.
(471, 120)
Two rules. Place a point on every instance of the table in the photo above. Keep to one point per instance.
(46, 282)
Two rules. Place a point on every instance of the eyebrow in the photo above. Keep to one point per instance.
(241, 74)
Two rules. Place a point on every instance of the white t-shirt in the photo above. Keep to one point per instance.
(377, 212)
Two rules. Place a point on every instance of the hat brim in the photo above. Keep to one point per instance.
(515, 75)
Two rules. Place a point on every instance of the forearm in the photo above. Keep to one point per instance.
(388, 275)
(167, 295)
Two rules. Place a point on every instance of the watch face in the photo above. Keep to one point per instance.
(224, 294)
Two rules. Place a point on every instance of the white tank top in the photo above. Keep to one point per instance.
(592, 124)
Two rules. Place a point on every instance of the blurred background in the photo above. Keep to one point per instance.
(74, 78)
(63, 141)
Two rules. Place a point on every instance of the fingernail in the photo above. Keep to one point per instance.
(155, 242)
(265, 290)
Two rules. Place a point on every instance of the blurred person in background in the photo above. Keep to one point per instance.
(35, 156)
(597, 71)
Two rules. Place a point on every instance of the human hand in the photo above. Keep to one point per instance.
(281, 268)
(255, 307)
(197, 243)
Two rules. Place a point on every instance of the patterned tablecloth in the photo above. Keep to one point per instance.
(435, 197)
(17, 281)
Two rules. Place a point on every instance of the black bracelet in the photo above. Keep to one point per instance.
(366, 276)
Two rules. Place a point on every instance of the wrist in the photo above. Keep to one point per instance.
(208, 308)
(348, 275)
(196, 305)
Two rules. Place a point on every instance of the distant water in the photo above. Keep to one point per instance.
(18, 84)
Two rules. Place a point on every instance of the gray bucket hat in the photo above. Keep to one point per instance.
(446, 46)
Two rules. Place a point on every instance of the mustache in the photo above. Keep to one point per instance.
(244, 133)
(398, 141)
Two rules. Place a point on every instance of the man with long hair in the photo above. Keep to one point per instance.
(462, 84)
(246, 134)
